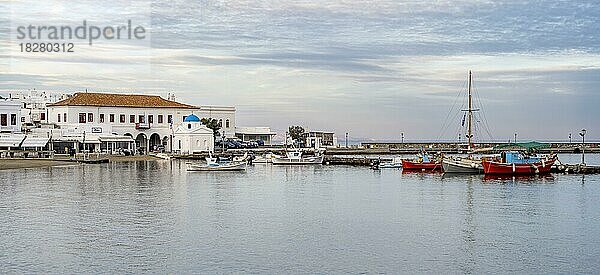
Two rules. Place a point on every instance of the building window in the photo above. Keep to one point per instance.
(131, 118)
(160, 118)
(101, 118)
(189, 126)
(122, 118)
(81, 117)
(58, 117)
(43, 116)
(142, 119)
(220, 122)
(150, 119)
(22, 119)
(90, 117)
(112, 118)
(227, 123)
(170, 118)
(184, 117)
(65, 117)
(3, 120)
(13, 119)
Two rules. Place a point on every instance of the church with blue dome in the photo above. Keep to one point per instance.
(191, 118)
(192, 136)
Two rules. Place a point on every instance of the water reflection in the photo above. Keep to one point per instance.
(158, 218)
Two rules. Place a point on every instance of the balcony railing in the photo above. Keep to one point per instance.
(142, 126)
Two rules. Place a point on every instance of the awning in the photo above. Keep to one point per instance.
(529, 146)
(11, 140)
(88, 140)
(116, 138)
(35, 142)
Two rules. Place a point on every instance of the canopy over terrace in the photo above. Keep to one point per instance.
(528, 146)
(35, 142)
(8, 141)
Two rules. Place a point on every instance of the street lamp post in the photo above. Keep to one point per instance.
(402, 135)
(223, 142)
(582, 134)
(346, 139)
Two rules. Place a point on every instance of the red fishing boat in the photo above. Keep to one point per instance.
(422, 163)
(515, 163)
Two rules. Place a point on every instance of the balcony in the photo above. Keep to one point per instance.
(142, 126)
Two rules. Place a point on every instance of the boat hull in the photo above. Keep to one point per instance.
(234, 166)
(498, 168)
(408, 165)
(461, 167)
(300, 161)
(390, 165)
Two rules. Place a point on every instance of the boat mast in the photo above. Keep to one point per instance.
(470, 115)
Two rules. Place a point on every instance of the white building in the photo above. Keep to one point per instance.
(320, 139)
(150, 120)
(192, 137)
(10, 116)
(255, 133)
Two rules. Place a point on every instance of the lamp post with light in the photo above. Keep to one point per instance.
(582, 134)
(346, 139)
(223, 142)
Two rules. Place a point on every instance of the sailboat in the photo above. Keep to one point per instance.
(467, 165)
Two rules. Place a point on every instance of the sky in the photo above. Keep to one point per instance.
(374, 69)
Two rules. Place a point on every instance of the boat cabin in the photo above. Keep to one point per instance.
(518, 158)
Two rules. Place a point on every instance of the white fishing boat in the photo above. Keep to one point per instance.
(395, 163)
(296, 158)
(266, 158)
(241, 158)
(466, 165)
(213, 164)
(162, 156)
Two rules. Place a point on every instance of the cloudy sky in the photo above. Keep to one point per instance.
(371, 68)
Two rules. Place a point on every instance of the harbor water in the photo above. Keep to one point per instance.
(155, 217)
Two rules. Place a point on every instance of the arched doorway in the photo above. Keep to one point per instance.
(166, 144)
(155, 143)
(141, 142)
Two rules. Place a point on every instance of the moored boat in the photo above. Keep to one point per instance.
(516, 163)
(462, 165)
(266, 158)
(230, 166)
(296, 158)
(213, 164)
(422, 163)
(395, 163)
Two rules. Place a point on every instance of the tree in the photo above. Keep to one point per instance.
(296, 133)
(212, 124)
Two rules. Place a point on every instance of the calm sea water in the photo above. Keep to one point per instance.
(155, 217)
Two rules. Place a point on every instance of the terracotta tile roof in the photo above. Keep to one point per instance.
(120, 100)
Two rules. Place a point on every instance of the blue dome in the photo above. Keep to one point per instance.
(191, 118)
